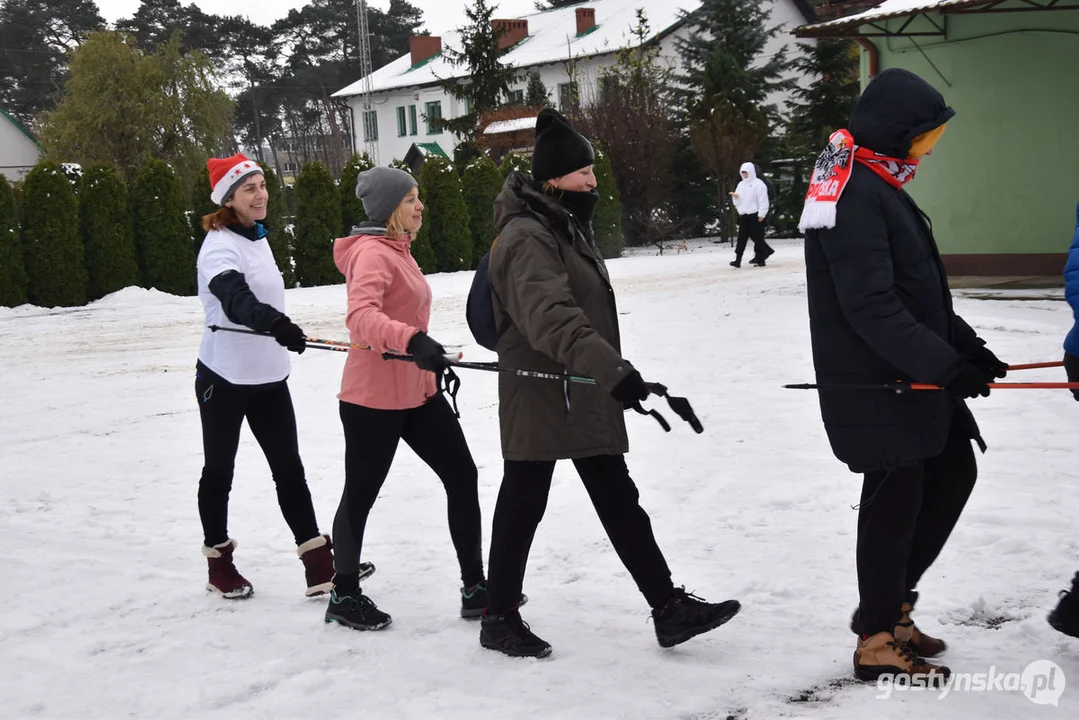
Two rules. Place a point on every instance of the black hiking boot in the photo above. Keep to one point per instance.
(1065, 616)
(736, 263)
(355, 610)
(474, 601)
(686, 615)
(509, 634)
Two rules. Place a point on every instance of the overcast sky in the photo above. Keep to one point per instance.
(438, 15)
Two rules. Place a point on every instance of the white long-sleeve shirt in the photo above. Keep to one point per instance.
(752, 193)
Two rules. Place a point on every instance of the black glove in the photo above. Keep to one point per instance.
(427, 354)
(984, 359)
(1071, 366)
(969, 382)
(288, 334)
(630, 390)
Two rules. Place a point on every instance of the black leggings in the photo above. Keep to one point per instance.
(522, 500)
(906, 516)
(435, 435)
(268, 409)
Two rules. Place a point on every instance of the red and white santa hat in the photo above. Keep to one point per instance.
(226, 174)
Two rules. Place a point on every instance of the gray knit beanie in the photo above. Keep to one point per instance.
(382, 189)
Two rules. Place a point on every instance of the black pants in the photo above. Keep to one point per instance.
(435, 435)
(522, 500)
(905, 518)
(268, 409)
(750, 226)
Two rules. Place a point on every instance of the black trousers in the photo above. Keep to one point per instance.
(268, 409)
(750, 227)
(522, 500)
(905, 518)
(371, 439)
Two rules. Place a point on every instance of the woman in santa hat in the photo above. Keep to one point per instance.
(241, 376)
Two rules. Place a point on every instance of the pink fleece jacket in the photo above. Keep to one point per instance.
(389, 301)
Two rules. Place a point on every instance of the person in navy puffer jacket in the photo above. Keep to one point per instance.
(1071, 291)
(1065, 616)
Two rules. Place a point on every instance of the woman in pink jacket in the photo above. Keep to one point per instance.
(385, 401)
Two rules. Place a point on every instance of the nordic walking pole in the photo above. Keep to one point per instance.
(494, 367)
(320, 344)
(1035, 366)
(900, 387)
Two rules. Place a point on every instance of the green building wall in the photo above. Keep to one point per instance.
(1005, 177)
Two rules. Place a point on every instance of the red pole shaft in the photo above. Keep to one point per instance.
(1035, 366)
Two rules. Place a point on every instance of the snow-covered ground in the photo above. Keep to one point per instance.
(105, 615)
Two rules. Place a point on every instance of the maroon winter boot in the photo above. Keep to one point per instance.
(317, 556)
(225, 579)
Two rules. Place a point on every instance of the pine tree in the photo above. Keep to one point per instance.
(481, 183)
(203, 206)
(12, 265)
(165, 251)
(55, 260)
(488, 79)
(516, 162)
(725, 85)
(445, 219)
(352, 213)
(536, 94)
(826, 103)
(280, 238)
(318, 222)
(607, 222)
(107, 233)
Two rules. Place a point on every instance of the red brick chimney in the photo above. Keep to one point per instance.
(586, 20)
(513, 32)
(424, 47)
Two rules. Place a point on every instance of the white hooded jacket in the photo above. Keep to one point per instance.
(752, 193)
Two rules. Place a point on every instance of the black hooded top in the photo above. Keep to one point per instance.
(896, 107)
(879, 305)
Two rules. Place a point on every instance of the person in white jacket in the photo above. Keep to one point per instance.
(751, 202)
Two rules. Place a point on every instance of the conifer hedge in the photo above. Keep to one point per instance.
(318, 224)
(107, 233)
(445, 216)
(352, 213)
(481, 183)
(53, 250)
(516, 161)
(201, 205)
(12, 265)
(607, 222)
(163, 243)
(280, 238)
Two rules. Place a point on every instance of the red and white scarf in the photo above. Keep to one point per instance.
(832, 171)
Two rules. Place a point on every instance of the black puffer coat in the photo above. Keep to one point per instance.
(879, 305)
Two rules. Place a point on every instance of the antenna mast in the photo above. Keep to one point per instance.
(370, 145)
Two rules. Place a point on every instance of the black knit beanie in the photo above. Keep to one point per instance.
(559, 148)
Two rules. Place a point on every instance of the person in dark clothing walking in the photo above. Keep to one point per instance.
(1065, 616)
(241, 376)
(751, 201)
(386, 401)
(880, 310)
(555, 310)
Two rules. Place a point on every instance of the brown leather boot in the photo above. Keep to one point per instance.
(906, 631)
(882, 654)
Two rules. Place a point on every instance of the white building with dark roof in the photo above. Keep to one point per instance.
(19, 149)
(565, 46)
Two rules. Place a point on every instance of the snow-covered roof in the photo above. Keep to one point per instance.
(505, 126)
(552, 37)
(887, 9)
